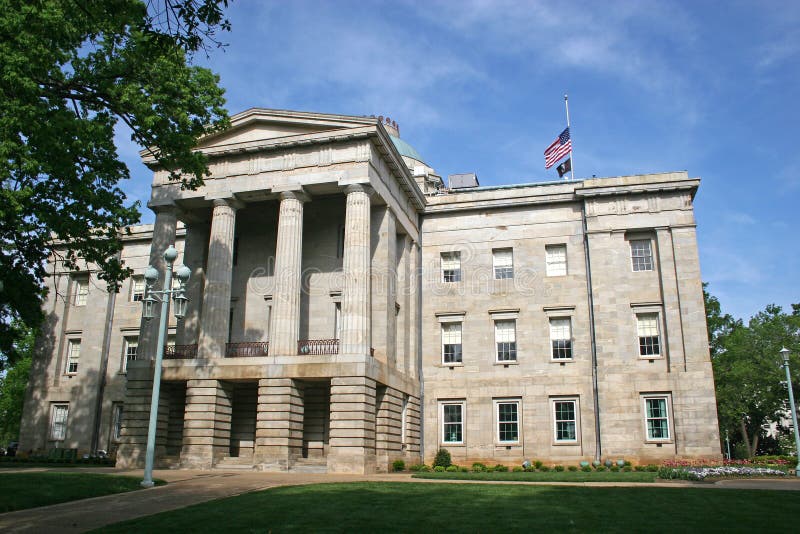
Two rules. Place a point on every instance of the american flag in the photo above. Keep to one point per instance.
(558, 149)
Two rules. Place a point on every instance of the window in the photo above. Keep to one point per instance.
(137, 288)
(58, 421)
(451, 343)
(505, 337)
(337, 320)
(451, 266)
(130, 346)
(641, 255)
(556, 260)
(73, 356)
(647, 329)
(561, 338)
(503, 260)
(656, 415)
(453, 422)
(507, 421)
(81, 291)
(565, 419)
(116, 422)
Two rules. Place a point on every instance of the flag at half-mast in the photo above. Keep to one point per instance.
(558, 149)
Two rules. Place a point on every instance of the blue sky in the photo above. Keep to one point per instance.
(477, 86)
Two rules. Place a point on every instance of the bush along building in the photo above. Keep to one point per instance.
(348, 308)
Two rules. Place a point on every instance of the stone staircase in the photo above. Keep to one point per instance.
(309, 465)
(243, 463)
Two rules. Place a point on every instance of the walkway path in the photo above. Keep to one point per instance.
(185, 488)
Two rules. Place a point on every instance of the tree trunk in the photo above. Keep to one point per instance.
(746, 438)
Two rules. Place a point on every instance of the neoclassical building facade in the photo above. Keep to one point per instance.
(348, 308)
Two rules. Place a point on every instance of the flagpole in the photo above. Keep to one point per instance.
(571, 159)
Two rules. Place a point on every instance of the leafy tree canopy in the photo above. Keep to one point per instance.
(12, 389)
(71, 70)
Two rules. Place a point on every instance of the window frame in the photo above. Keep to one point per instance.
(127, 341)
(646, 262)
(512, 349)
(659, 338)
(667, 399)
(462, 404)
(575, 401)
(518, 422)
(81, 292)
(117, 411)
(443, 326)
(570, 339)
(70, 359)
(457, 273)
(550, 265)
(62, 436)
(135, 295)
(500, 271)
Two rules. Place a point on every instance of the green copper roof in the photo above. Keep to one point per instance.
(405, 149)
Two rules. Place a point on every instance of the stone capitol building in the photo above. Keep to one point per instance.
(349, 308)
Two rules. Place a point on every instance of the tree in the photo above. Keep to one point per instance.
(71, 70)
(750, 384)
(12, 390)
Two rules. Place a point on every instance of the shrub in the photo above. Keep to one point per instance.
(463, 469)
(600, 468)
(478, 467)
(442, 459)
(639, 468)
(559, 468)
(586, 469)
(537, 464)
(544, 469)
(573, 468)
(652, 468)
(627, 463)
(627, 469)
(439, 468)
(451, 469)
(518, 469)
(614, 468)
(416, 467)
(501, 468)
(398, 465)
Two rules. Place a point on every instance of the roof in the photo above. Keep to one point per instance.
(406, 150)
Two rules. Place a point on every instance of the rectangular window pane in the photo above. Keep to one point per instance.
(647, 330)
(566, 420)
(451, 342)
(451, 266)
(556, 260)
(506, 340)
(81, 291)
(561, 338)
(452, 423)
(137, 288)
(73, 356)
(508, 421)
(116, 430)
(58, 424)
(657, 418)
(131, 348)
(641, 255)
(503, 260)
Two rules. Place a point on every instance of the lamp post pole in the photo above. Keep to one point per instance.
(785, 355)
(151, 276)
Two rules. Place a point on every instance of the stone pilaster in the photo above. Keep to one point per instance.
(207, 423)
(352, 427)
(197, 235)
(285, 327)
(356, 302)
(414, 306)
(384, 284)
(279, 424)
(136, 417)
(217, 294)
(164, 231)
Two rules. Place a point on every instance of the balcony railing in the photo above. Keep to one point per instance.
(317, 346)
(180, 352)
(248, 349)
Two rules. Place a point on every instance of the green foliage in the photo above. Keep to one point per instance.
(559, 468)
(640, 468)
(442, 458)
(650, 468)
(671, 473)
(478, 467)
(544, 468)
(537, 464)
(518, 469)
(572, 468)
(586, 469)
(12, 387)
(500, 468)
(600, 468)
(417, 467)
(439, 469)
(398, 465)
(614, 468)
(72, 71)
(452, 469)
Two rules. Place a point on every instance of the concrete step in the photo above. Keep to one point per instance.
(244, 463)
(309, 465)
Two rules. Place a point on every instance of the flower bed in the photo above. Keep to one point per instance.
(718, 471)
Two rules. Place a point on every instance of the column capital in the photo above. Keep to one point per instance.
(295, 194)
(170, 208)
(359, 188)
(230, 202)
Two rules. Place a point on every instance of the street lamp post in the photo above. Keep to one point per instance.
(148, 312)
(785, 355)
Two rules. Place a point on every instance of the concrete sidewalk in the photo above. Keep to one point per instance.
(186, 488)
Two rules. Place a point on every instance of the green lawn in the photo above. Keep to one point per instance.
(28, 490)
(550, 476)
(430, 507)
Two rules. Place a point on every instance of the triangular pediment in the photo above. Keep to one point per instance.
(259, 124)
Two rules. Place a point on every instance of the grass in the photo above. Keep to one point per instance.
(550, 476)
(431, 507)
(29, 490)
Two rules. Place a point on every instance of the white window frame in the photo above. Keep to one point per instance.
(642, 258)
(554, 401)
(501, 337)
(462, 423)
(556, 259)
(553, 339)
(667, 399)
(73, 356)
(446, 328)
(117, 410)
(129, 342)
(138, 288)
(640, 316)
(59, 415)
(81, 290)
(451, 261)
(518, 422)
(503, 263)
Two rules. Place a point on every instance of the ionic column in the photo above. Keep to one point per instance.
(217, 293)
(356, 321)
(164, 231)
(285, 327)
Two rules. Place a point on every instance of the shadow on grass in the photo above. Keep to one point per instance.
(430, 507)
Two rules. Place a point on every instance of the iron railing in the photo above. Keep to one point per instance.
(247, 349)
(317, 346)
(180, 352)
